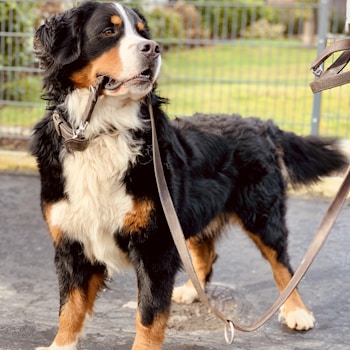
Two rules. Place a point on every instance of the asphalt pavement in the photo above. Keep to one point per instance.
(242, 285)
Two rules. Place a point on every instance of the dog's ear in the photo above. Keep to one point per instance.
(57, 41)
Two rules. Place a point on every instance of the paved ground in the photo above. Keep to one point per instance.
(242, 285)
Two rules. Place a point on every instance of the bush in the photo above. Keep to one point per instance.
(230, 19)
(176, 25)
(16, 18)
(165, 26)
(262, 29)
(24, 88)
(225, 19)
(337, 23)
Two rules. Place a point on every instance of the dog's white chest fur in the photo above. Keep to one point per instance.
(97, 201)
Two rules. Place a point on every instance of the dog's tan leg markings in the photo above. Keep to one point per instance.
(152, 336)
(294, 313)
(96, 283)
(202, 250)
(72, 317)
(203, 255)
(73, 314)
(55, 231)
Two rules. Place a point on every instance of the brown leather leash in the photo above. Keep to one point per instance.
(179, 240)
(333, 76)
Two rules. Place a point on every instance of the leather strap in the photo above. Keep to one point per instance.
(333, 76)
(74, 139)
(179, 240)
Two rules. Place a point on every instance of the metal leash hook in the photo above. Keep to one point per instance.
(229, 337)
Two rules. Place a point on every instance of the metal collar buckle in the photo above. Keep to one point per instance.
(74, 139)
(79, 132)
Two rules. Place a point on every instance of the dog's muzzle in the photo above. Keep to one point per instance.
(149, 52)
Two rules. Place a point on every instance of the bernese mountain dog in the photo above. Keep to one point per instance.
(101, 203)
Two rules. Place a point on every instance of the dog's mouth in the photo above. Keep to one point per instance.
(145, 77)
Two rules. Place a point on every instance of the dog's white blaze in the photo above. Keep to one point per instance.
(98, 201)
(128, 50)
(129, 30)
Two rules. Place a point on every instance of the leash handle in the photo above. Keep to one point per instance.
(333, 75)
(179, 240)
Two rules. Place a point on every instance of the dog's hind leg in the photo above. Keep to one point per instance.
(79, 283)
(202, 250)
(273, 246)
(203, 256)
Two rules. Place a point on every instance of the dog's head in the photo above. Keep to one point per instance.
(94, 39)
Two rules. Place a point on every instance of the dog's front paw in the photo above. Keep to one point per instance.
(54, 346)
(299, 319)
(185, 294)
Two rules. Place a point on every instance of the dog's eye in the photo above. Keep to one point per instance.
(108, 31)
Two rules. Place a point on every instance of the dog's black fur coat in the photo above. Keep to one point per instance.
(213, 164)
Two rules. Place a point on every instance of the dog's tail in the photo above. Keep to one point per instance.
(309, 158)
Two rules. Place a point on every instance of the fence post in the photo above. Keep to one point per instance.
(322, 28)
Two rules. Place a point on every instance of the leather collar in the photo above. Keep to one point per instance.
(74, 139)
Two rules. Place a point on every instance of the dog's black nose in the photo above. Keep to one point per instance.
(149, 48)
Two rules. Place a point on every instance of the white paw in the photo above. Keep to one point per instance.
(54, 346)
(185, 294)
(299, 319)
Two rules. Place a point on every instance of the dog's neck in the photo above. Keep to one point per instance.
(110, 113)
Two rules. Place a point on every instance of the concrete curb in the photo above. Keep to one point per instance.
(17, 161)
(327, 187)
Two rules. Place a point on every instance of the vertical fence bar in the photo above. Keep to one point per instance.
(347, 29)
(322, 28)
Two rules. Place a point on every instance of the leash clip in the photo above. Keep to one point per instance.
(317, 71)
(229, 332)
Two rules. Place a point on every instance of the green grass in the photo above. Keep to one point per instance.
(27, 89)
(22, 116)
(265, 79)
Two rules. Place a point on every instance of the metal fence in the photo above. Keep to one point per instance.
(248, 57)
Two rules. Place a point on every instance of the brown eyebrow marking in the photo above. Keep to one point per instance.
(140, 26)
(116, 20)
